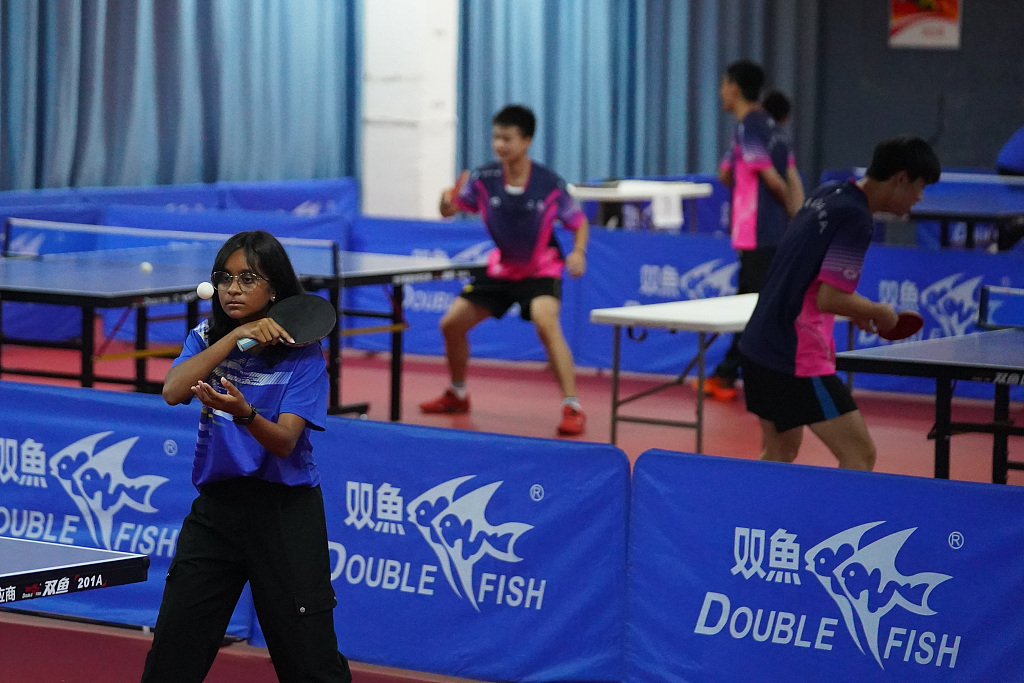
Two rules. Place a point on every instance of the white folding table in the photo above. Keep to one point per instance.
(707, 317)
(666, 198)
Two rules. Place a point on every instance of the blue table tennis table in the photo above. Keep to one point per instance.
(973, 198)
(994, 356)
(105, 278)
(36, 569)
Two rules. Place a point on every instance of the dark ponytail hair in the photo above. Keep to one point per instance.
(268, 259)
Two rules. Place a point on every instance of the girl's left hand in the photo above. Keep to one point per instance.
(232, 402)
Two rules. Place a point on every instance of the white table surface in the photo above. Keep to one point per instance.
(641, 190)
(715, 314)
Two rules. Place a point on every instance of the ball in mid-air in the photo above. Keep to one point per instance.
(205, 290)
(146, 267)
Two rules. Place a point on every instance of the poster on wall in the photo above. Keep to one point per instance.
(925, 24)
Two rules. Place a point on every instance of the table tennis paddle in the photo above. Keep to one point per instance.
(308, 318)
(452, 193)
(463, 177)
(908, 324)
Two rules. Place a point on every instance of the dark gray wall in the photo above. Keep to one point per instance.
(970, 100)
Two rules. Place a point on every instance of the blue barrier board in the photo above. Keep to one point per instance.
(753, 571)
(476, 555)
(112, 471)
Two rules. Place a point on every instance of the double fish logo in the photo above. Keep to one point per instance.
(709, 279)
(953, 302)
(474, 252)
(457, 530)
(97, 484)
(865, 584)
(26, 244)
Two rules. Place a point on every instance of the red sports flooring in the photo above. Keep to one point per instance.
(519, 399)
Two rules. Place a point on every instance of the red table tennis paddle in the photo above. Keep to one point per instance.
(308, 318)
(452, 194)
(908, 324)
(463, 177)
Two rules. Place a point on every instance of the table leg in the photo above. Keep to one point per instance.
(88, 344)
(1000, 447)
(141, 335)
(701, 348)
(191, 315)
(397, 297)
(334, 352)
(616, 349)
(1, 334)
(943, 416)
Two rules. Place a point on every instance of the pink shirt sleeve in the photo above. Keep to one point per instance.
(844, 260)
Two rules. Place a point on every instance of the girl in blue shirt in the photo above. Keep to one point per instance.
(259, 516)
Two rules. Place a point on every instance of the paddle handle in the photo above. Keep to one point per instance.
(245, 343)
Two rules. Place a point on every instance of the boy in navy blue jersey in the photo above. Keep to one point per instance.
(778, 107)
(788, 346)
(519, 200)
(755, 168)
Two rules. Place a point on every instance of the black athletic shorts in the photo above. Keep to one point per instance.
(788, 401)
(497, 296)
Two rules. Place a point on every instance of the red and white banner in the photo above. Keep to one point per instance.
(925, 24)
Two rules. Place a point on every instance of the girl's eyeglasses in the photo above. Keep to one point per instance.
(247, 280)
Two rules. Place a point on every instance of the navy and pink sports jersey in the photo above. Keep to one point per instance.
(522, 225)
(826, 242)
(757, 217)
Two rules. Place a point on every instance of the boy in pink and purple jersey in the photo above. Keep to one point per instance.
(788, 347)
(520, 201)
(755, 167)
(778, 107)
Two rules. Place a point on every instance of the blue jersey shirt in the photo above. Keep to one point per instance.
(826, 242)
(295, 384)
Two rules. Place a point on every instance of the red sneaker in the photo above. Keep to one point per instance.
(447, 402)
(573, 421)
(716, 388)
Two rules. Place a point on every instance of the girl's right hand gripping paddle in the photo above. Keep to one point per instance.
(308, 318)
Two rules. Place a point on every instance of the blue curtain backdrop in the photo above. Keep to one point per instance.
(141, 92)
(629, 87)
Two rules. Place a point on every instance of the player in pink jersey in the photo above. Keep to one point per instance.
(788, 347)
(520, 201)
(755, 167)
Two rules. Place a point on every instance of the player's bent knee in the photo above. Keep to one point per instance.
(778, 455)
(862, 457)
(456, 324)
(548, 330)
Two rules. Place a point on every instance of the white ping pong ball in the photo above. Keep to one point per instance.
(146, 267)
(205, 290)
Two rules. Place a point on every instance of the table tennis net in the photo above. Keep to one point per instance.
(1000, 308)
(51, 240)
